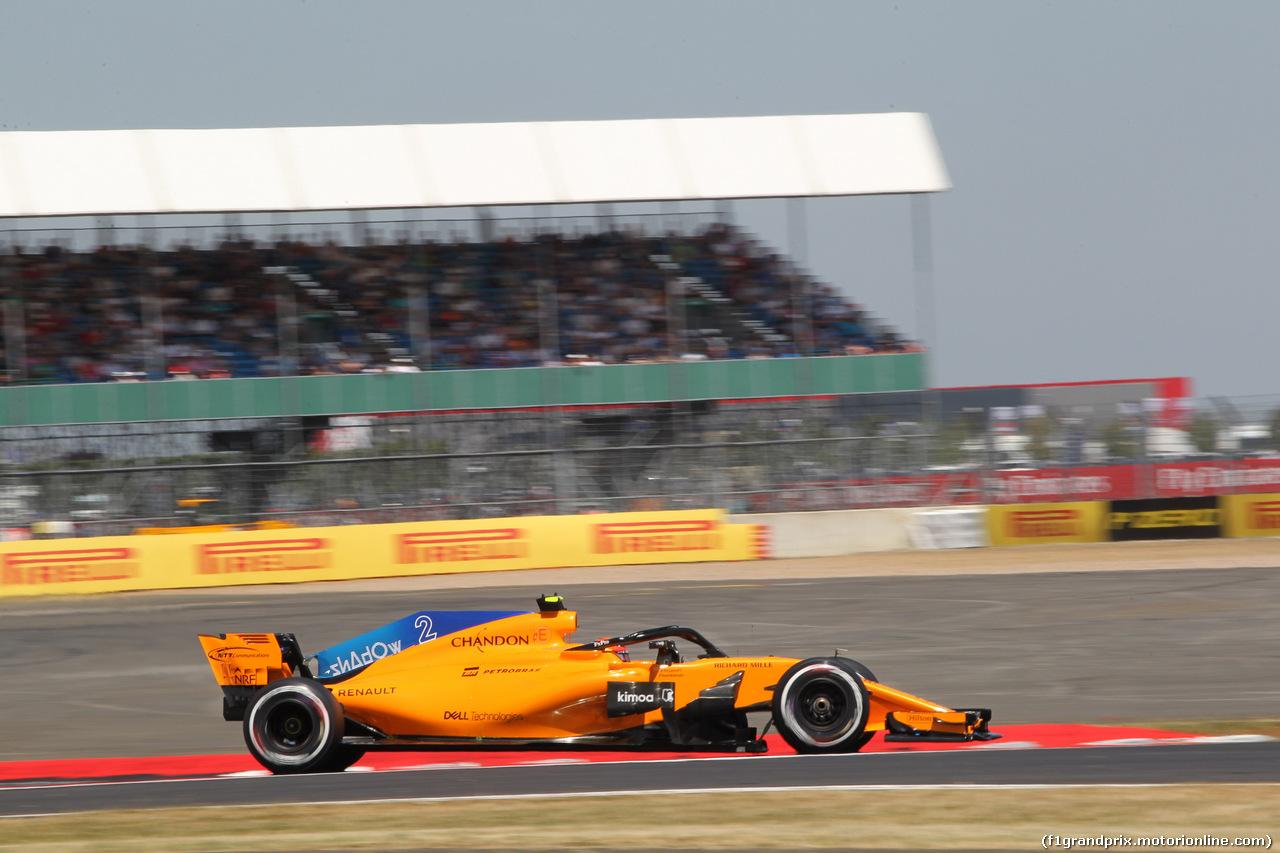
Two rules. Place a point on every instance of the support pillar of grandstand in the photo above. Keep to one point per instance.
(419, 328)
(152, 331)
(106, 227)
(676, 319)
(922, 266)
(798, 249)
(604, 216)
(484, 225)
(548, 319)
(359, 226)
(15, 339)
(287, 322)
(232, 225)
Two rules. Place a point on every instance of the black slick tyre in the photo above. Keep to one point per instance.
(294, 725)
(342, 757)
(821, 705)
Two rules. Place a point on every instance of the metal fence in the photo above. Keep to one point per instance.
(409, 226)
(760, 456)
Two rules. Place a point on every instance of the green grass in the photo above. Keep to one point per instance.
(1218, 727)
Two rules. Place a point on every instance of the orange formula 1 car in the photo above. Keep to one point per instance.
(514, 678)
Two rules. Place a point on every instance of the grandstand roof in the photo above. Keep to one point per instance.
(106, 172)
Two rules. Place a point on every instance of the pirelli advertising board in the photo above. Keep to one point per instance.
(1043, 524)
(1120, 521)
(377, 550)
(1164, 518)
(1250, 515)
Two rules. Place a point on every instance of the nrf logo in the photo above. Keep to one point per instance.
(84, 564)
(1264, 515)
(454, 546)
(1044, 523)
(280, 555)
(645, 536)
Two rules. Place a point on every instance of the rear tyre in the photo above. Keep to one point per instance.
(294, 725)
(342, 757)
(821, 705)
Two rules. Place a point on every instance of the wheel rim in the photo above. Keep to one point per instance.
(823, 705)
(289, 728)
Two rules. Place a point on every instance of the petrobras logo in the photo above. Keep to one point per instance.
(458, 546)
(1044, 523)
(631, 537)
(1264, 515)
(69, 566)
(277, 555)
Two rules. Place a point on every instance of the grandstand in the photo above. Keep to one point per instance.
(265, 304)
(244, 310)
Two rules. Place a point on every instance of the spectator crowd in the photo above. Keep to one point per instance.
(246, 309)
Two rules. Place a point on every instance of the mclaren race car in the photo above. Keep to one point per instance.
(507, 678)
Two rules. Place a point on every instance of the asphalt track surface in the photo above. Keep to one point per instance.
(1156, 765)
(123, 675)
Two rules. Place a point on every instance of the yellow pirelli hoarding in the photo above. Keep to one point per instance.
(1244, 516)
(1043, 524)
(377, 550)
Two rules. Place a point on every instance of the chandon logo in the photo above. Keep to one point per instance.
(500, 640)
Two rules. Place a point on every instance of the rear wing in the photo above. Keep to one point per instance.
(243, 663)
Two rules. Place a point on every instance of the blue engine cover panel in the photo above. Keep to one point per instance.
(423, 627)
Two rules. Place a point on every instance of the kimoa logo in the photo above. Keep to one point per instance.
(664, 695)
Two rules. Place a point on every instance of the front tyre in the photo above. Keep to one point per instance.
(821, 705)
(294, 725)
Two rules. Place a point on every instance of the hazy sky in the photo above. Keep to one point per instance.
(1116, 168)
